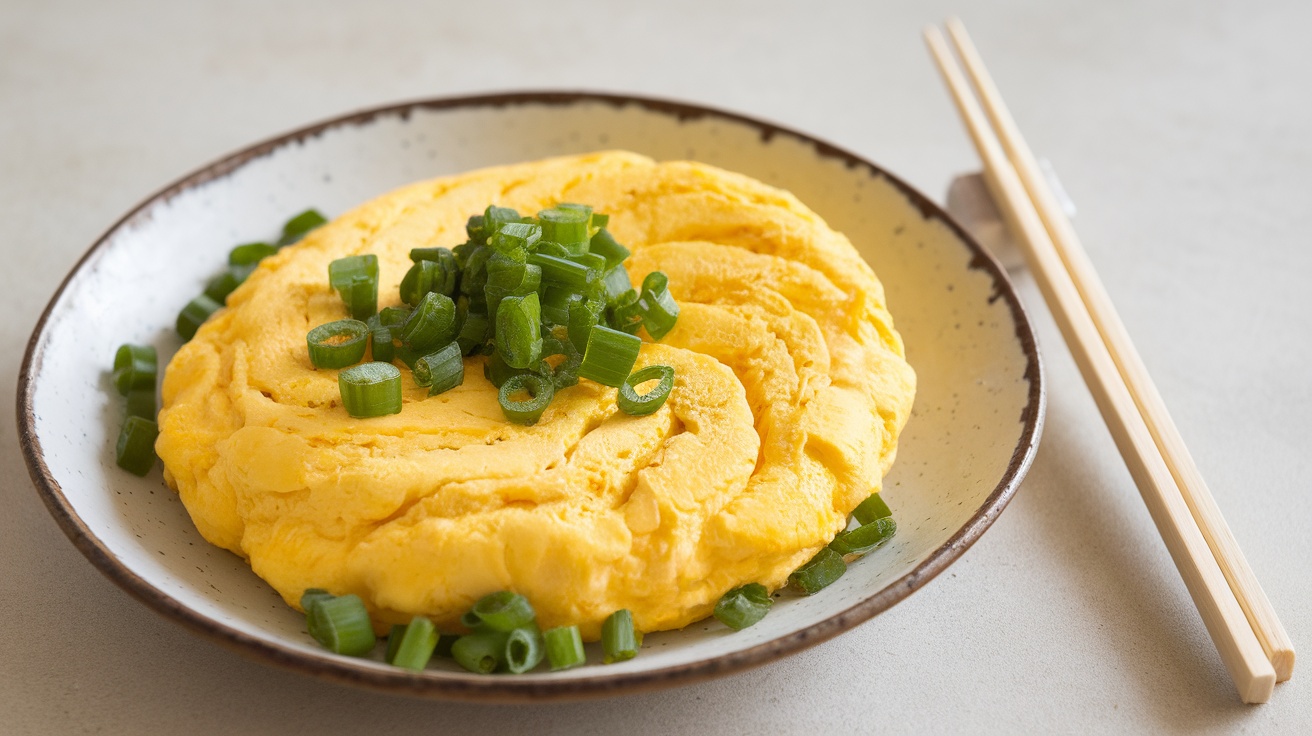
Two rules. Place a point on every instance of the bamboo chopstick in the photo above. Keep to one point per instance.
(1243, 583)
(1240, 650)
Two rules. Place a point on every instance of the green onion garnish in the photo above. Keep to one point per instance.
(519, 330)
(136, 445)
(416, 646)
(394, 637)
(341, 624)
(480, 651)
(370, 389)
(473, 332)
(564, 647)
(605, 245)
(219, 287)
(495, 218)
(563, 272)
(298, 226)
(823, 569)
(540, 392)
(610, 356)
(516, 236)
(356, 279)
(381, 345)
(565, 226)
(441, 371)
(338, 344)
(194, 315)
(497, 372)
(659, 310)
(524, 649)
(311, 595)
(619, 641)
(135, 367)
(555, 304)
(584, 314)
(864, 538)
(630, 402)
(250, 254)
(426, 276)
(503, 611)
(624, 313)
(141, 403)
(743, 606)
(431, 325)
(600, 221)
(617, 283)
(871, 509)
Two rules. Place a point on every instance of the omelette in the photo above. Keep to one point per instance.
(791, 390)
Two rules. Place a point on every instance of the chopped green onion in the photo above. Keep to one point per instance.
(394, 637)
(658, 308)
(594, 261)
(604, 244)
(503, 611)
(567, 227)
(311, 595)
(418, 641)
(506, 273)
(338, 344)
(516, 236)
(526, 412)
(617, 283)
(298, 226)
(480, 652)
(371, 389)
(526, 282)
(743, 606)
(194, 315)
(599, 220)
(441, 371)
(610, 356)
(625, 314)
(474, 275)
(356, 279)
(219, 287)
(495, 218)
(823, 569)
(432, 324)
(135, 367)
(407, 355)
(341, 624)
(136, 445)
(618, 639)
(523, 649)
(497, 372)
(381, 345)
(250, 254)
(557, 250)
(584, 314)
(564, 272)
(564, 647)
(583, 209)
(431, 254)
(864, 538)
(630, 402)
(141, 403)
(555, 304)
(473, 332)
(426, 276)
(871, 509)
(474, 229)
(518, 331)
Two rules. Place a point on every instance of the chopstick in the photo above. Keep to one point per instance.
(1243, 583)
(1235, 639)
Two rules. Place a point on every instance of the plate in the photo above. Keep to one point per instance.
(971, 438)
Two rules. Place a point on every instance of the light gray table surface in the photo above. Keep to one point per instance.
(1183, 130)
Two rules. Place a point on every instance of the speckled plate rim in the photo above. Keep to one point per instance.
(509, 689)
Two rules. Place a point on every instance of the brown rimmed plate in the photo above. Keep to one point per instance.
(972, 436)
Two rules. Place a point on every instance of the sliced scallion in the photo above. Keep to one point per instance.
(518, 330)
(564, 647)
(503, 611)
(743, 606)
(584, 314)
(135, 367)
(822, 570)
(371, 389)
(619, 641)
(338, 344)
(480, 651)
(355, 278)
(605, 245)
(631, 402)
(381, 345)
(249, 254)
(617, 283)
(563, 272)
(525, 411)
(298, 226)
(567, 227)
(219, 287)
(473, 332)
(659, 310)
(135, 452)
(431, 324)
(341, 624)
(871, 509)
(311, 595)
(194, 315)
(610, 356)
(416, 646)
(524, 649)
(441, 371)
(864, 538)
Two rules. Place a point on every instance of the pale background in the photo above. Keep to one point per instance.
(1183, 131)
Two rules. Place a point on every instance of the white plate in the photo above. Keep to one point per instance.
(971, 438)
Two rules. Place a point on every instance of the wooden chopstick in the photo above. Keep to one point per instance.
(1238, 645)
(1243, 583)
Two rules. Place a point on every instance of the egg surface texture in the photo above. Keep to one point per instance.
(791, 389)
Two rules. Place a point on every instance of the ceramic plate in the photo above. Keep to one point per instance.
(970, 439)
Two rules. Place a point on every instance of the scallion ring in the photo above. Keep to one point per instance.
(609, 356)
(338, 344)
(341, 624)
(527, 412)
(135, 367)
(442, 370)
(371, 389)
(564, 647)
(136, 445)
(630, 402)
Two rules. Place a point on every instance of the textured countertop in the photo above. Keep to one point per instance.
(1181, 130)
